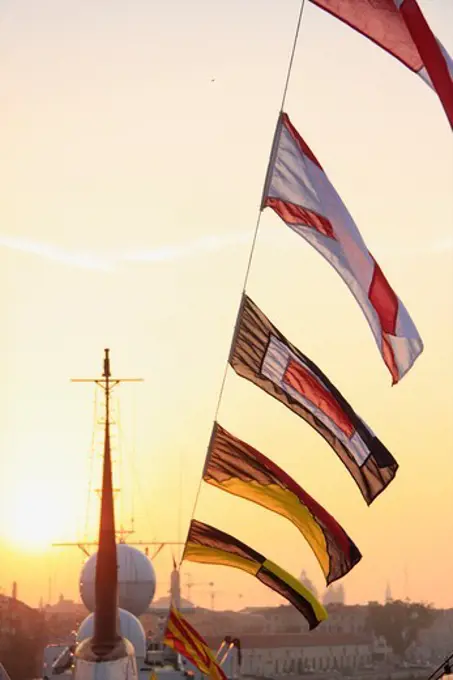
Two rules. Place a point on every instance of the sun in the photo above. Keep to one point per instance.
(38, 515)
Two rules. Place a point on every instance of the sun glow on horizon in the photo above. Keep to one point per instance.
(38, 515)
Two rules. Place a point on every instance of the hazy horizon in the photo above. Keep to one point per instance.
(135, 144)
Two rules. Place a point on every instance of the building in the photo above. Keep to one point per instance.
(277, 655)
(21, 627)
(436, 642)
(286, 619)
(17, 618)
(162, 605)
(65, 608)
(350, 619)
(62, 618)
(334, 595)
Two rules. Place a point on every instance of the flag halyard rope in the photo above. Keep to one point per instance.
(252, 248)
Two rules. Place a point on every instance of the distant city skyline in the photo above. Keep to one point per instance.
(130, 189)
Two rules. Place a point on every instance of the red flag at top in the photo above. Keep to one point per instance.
(399, 27)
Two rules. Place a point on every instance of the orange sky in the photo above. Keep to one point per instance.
(130, 186)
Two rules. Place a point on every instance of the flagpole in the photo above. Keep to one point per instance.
(252, 248)
(444, 668)
(293, 52)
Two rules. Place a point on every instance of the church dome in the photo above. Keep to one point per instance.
(303, 578)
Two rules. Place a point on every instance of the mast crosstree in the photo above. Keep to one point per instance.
(108, 383)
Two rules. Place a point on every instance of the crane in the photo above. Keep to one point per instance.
(190, 584)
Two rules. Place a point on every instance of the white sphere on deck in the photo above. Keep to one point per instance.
(136, 580)
(130, 628)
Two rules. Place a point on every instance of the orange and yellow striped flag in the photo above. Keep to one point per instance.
(180, 636)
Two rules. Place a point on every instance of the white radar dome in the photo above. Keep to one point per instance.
(136, 580)
(130, 628)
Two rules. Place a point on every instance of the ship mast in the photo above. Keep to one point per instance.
(106, 580)
(106, 583)
(107, 383)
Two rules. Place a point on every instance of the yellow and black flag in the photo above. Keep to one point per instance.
(238, 468)
(260, 353)
(208, 545)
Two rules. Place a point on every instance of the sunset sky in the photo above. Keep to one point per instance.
(135, 138)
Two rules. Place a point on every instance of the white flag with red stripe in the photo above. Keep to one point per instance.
(299, 191)
(399, 27)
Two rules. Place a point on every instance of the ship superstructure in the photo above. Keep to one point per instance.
(117, 585)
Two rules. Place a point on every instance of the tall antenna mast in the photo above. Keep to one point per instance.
(107, 384)
(106, 580)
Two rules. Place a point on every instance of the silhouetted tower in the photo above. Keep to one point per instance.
(341, 595)
(388, 593)
(175, 586)
(14, 592)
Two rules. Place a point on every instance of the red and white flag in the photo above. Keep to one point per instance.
(299, 191)
(261, 354)
(399, 27)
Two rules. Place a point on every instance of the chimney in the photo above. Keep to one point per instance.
(14, 592)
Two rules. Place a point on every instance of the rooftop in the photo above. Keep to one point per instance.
(295, 640)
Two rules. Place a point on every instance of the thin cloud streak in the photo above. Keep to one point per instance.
(212, 243)
(56, 254)
(108, 262)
